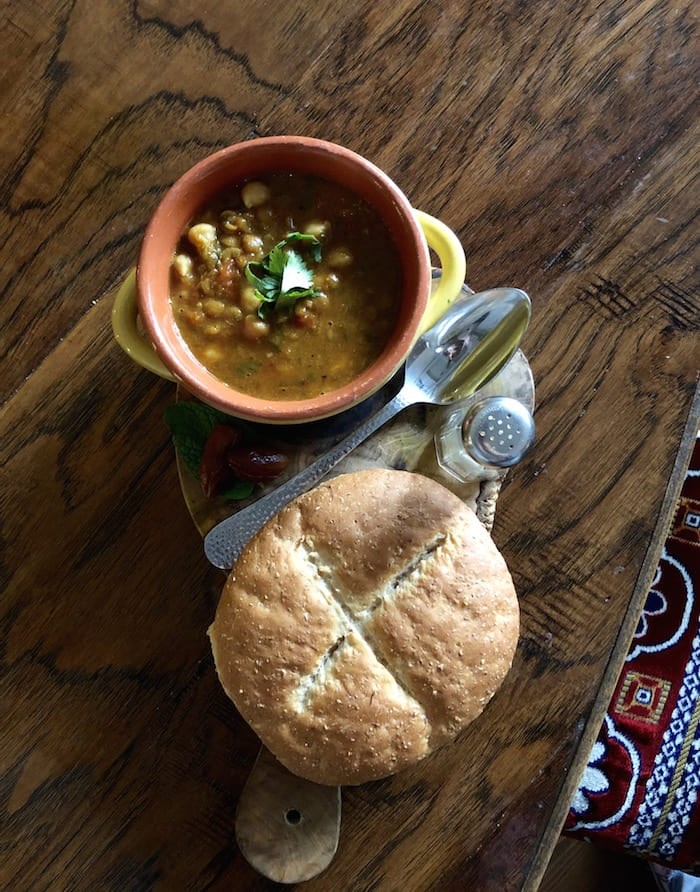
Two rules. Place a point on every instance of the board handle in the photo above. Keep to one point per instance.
(287, 828)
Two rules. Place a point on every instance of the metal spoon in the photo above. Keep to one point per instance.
(460, 353)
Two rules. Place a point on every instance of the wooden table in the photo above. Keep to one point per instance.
(557, 139)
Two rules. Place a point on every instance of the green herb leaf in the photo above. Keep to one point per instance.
(277, 259)
(190, 423)
(296, 274)
(287, 299)
(282, 277)
(193, 418)
(241, 489)
(190, 451)
(265, 284)
(264, 310)
(311, 241)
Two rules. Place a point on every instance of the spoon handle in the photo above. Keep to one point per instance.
(224, 542)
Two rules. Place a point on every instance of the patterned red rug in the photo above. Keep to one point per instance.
(639, 791)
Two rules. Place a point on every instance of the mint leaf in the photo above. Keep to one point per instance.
(190, 424)
(241, 489)
(190, 451)
(193, 419)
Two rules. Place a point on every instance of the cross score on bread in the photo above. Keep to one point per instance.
(365, 625)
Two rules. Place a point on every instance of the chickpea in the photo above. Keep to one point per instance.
(304, 315)
(253, 245)
(321, 302)
(255, 193)
(182, 264)
(303, 307)
(212, 354)
(339, 258)
(193, 315)
(319, 228)
(230, 253)
(309, 321)
(233, 313)
(214, 308)
(226, 219)
(212, 329)
(254, 328)
(230, 241)
(249, 301)
(203, 237)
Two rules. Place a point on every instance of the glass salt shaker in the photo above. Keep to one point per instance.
(481, 436)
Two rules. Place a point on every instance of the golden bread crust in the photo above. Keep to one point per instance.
(365, 625)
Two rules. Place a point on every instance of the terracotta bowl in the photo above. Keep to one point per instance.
(251, 159)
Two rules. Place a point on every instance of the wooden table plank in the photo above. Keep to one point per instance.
(621, 647)
(558, 140)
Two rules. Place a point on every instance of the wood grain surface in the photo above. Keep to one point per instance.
(559, 140)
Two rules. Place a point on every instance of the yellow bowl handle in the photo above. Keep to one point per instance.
(126, 331)
(454, 266)
(438, 236)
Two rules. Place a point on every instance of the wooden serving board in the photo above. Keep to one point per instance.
(286, 827)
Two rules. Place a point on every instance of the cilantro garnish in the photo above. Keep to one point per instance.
(282, 277)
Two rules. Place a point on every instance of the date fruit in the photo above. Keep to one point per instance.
(256, 463)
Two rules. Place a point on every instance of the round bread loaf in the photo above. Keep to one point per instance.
(366, 624)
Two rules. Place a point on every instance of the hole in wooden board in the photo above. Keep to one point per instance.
(293, 817)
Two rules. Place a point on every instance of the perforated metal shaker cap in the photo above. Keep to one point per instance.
(498, 431)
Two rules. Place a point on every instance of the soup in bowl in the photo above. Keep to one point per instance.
(284, 279)
(286, 287)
